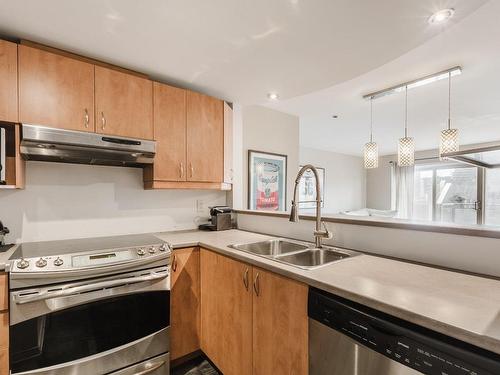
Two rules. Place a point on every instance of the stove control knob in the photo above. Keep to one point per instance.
(58, 262)
(152, 250)
(141, 251)
(23, 263)
(165, 247)
(41, 263)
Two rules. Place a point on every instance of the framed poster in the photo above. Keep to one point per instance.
(307, 188)
(266, 181)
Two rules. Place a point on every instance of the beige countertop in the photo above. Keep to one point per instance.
(463, 306)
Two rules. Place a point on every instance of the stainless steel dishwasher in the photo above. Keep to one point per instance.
(346, 338)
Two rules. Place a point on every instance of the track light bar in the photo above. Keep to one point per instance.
(456, 70)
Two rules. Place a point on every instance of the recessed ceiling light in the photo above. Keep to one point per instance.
(273, 96)
(441, 16)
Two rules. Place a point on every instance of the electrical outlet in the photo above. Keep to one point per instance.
(200, 206)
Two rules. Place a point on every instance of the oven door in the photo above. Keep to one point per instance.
(92, 327)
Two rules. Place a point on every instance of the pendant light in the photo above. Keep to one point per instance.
(449, 136)
(406, 146)
(371, 148)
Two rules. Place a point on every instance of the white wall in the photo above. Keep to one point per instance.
(345, 179)
(73, 201)
(468, 253)
(378, 184)
(268, 130)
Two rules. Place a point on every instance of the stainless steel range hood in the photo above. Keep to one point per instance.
(485, 157)
(68, 146)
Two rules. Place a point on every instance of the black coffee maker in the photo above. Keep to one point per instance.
(3, 232)
(220, 219)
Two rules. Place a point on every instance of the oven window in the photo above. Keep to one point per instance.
(86, 330)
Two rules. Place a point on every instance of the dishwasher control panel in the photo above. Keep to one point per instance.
(416, 347)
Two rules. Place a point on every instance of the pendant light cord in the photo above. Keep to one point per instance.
(371, 119)
(406, 112)
(449, 100)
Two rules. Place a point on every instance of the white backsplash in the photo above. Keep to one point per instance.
(74, 201)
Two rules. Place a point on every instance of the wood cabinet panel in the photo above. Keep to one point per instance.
(4, 361)
(185, 302)
(55, 91)
(226, 313)
(4, 330)
(170, 133)
(280, 325)
(4, 292)
(228, 144)
(8, 77)
(205, 133)
(124, 104)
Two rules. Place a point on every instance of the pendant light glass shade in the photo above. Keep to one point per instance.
(371, 148)
(371, 155)
(406, 145)
(449, 137)
(449, 141)
(406, 152)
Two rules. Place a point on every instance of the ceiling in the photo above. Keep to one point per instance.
(471, 43)
(238, 50)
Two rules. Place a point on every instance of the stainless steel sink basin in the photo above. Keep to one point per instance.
(271, 248)
(313, 258)
(294, 253)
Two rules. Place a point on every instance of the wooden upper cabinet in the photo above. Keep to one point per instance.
(280, 325)
(124, 104)
(205, 138)
(8, 77)
(226, 313)
(170, 133)
(228, 144)
(185, 302)
(55, 90)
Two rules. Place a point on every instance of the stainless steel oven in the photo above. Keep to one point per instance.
(116, 323)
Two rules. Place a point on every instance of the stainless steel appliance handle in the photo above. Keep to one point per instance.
(44, 295)
(149, 370)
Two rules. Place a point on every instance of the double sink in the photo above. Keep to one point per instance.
(294, 253)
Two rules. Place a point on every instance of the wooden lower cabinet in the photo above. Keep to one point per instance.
(280, 325)
(226, 313)
(185, 302)
(252, 321)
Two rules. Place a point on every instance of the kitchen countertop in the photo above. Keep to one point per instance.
(462, 306)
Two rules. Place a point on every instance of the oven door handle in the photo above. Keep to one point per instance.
(46, 294)
(149, 370)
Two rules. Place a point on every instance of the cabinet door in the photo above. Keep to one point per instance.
(55, 90)
(170, 133)
(205, 138)
(8, 77)
(185, 302)
(226, 313)
(280, 325)
(228, 144)
(124, 104)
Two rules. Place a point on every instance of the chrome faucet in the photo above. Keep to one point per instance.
(294, 213)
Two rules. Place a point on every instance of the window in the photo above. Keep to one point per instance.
(492, 197)
(448, 193)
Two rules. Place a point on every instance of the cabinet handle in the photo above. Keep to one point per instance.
(256, 286)
(103, 121)
(245, 279)
(86, 117)
(191, 168)
(181, 170)
(174, 263)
